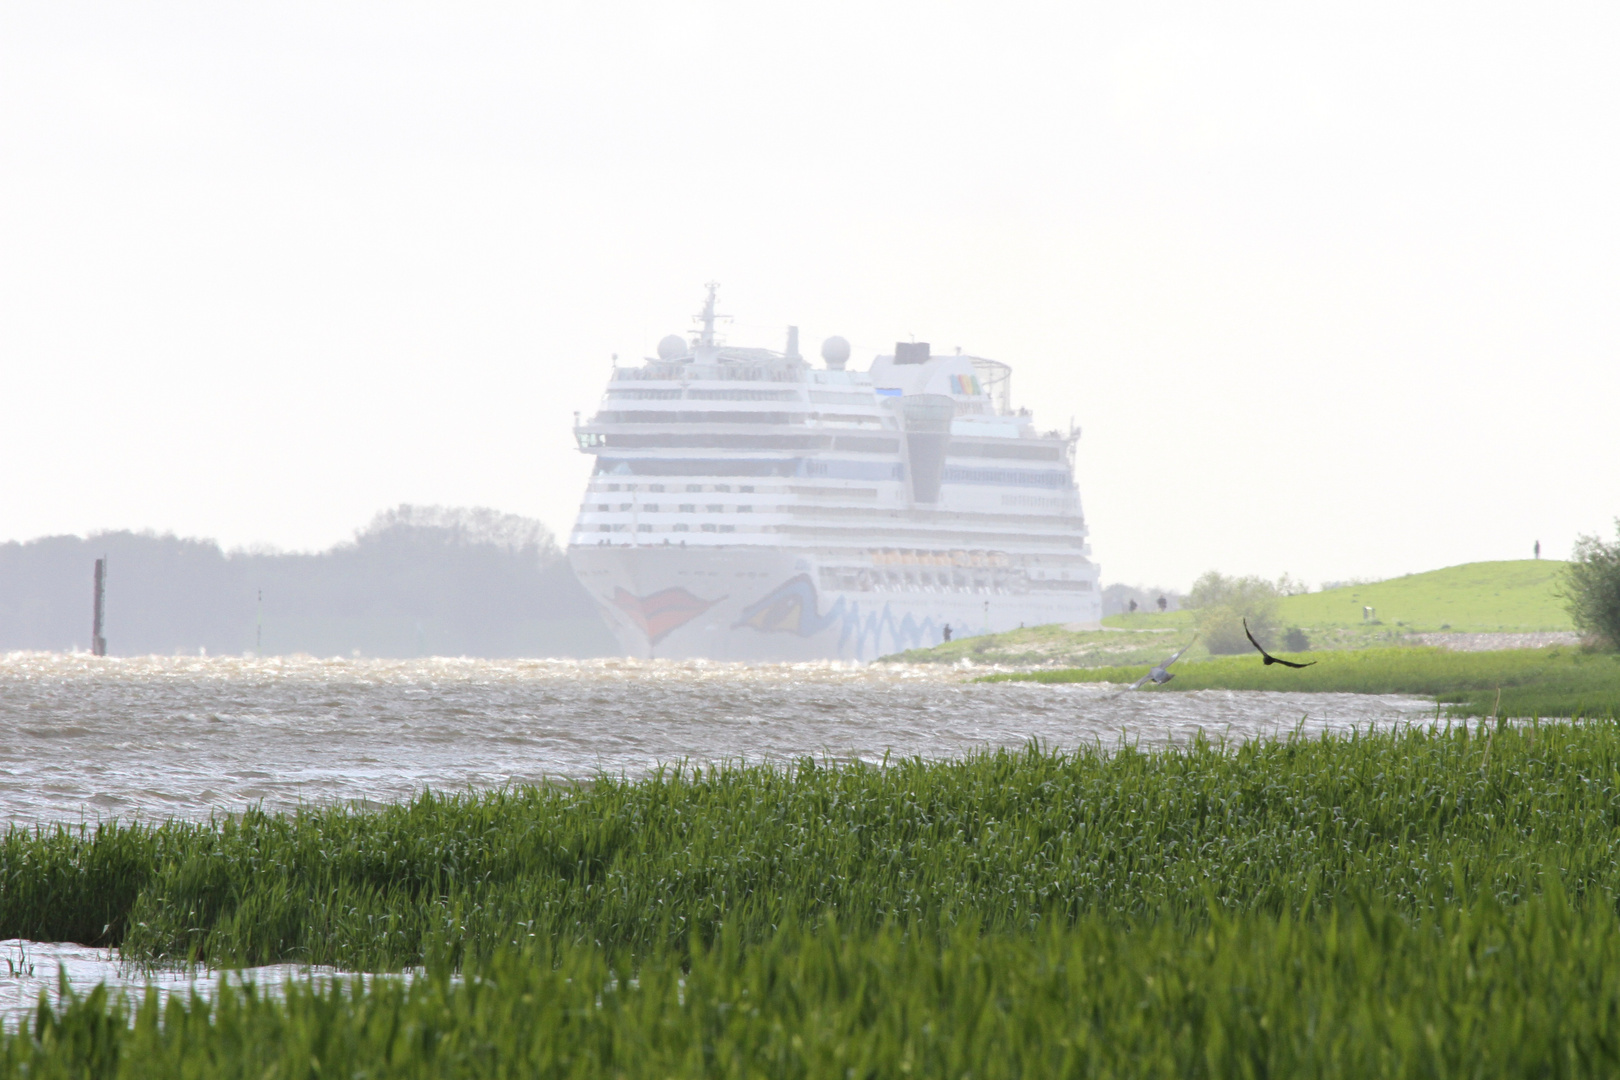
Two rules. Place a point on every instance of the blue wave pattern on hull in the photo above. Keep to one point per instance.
(794, 608)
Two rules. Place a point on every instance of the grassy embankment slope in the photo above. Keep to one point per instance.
(1411, 903)
(1494, 597)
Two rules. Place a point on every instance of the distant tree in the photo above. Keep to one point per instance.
(1296, 640)
(462, 526)
(1288, 586)
(1222, 603)
(1592, 588)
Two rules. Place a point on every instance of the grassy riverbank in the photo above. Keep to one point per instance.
(1408, 902)
(1420, 818)
(1358, 992)
(1395, 904)
(1532, 682)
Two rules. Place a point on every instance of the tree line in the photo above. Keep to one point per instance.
(416, 581)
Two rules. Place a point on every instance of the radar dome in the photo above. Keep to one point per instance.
(835, 350)
(672, 347)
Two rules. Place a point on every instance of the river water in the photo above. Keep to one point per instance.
(83, 738)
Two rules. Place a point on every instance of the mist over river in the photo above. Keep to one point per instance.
(83, 738)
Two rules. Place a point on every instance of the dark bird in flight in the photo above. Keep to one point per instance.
(1161, 675)
(1269, 658)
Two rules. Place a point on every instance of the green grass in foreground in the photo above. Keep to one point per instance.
(1355, 992)
(1558, 681)
(1420, 818)
(1410, 903)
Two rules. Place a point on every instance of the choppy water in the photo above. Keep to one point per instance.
(82, 737)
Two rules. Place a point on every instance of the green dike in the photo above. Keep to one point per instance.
(1557, 681)
(1490, 597)
(1484, 597)
(1521, 596)
(1358, 992)
(1415, 902)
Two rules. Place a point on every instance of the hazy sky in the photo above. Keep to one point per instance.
(1331, 292)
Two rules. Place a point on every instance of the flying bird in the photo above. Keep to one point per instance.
(1269, 658)
(1161, 674)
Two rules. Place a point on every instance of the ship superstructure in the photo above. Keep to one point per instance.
(747, 505)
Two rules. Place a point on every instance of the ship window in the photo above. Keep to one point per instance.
(687, 508)
(655, 487)
(624, 506)
(683, 528)
(651, 508)
(704, 467)
(645, 395)
(728, 528)
(613, 487)
(722, 487)
(745, 509)
(746, 487)
(643, 528)
(601, 506)
(709, 527)
(694, 487)
(604, 528)
(715, 508)
(743, 395)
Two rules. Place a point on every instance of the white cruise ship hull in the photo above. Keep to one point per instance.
(753, 603)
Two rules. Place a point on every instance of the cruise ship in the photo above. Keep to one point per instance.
(746, 504)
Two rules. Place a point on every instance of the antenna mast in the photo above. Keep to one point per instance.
(707, 317)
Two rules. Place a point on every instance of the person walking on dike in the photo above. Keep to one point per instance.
(947, 631)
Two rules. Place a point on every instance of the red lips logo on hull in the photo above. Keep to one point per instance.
(661, 612)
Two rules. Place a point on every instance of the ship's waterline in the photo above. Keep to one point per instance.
(84, 738)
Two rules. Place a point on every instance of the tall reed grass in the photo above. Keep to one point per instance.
(1356, 991)
(1423, 818)
(1558, 681)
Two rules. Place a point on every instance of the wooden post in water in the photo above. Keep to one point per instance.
(98, 644)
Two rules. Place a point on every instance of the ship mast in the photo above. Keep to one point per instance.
(707, 317)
